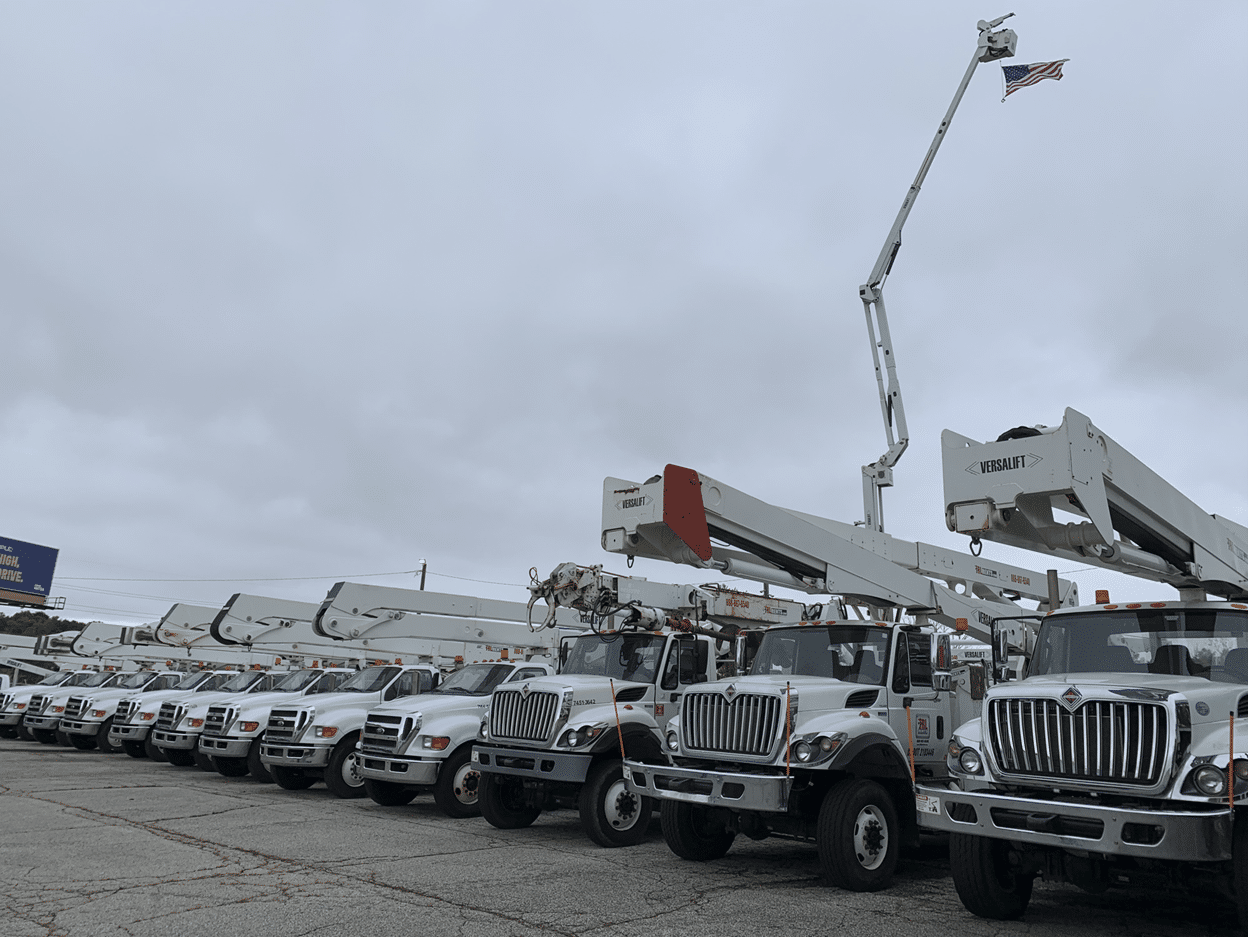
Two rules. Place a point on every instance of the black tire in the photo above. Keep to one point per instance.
(204, 761)
(290, 779)
(81, 742)
(101, 738)
(1239, 856)
(254, 765)
(8, 732)
(25, 734)
(457, 791)
(181, 757)
(858, 835)
(983, 879)
(342, 774)
(690, 834)
(503, 803)
(62, 738)
(387, 793)
(134, 749)
(611, 815)
(231, 767)
(154, 753)
(44, 736)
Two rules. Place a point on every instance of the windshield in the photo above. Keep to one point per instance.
(475, 680)
(369, 680)
(99, 679)
(191, 680)
(54, 679)
(853, 653)
(80, 678)
(1207, 643)
(625, 657)
(242, 681)
(294, 682)
(135, 680)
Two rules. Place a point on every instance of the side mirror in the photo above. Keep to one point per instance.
(1000, 653)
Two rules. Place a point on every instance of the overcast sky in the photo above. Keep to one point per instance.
(320, 289)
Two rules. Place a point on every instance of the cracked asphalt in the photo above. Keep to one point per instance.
(95, 845)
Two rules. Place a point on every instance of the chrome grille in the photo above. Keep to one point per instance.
(1102, 740)
(169, 716)
(382, 733)
(37, 705)
(125, 712)
(746, 725)
(529, 719)
(285, 725)
(75, 707)
(6, 701)
(219, 719)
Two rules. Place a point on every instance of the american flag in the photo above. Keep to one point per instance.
(1020, 76)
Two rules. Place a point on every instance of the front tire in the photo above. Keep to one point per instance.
(101, 738)
(25, 734)
(457, 790)
(180, 757)
(291, 779)
(690, 834)
(204, 761)
(984, 880)
(342, 774)
(503, 803)
(254, 765)
(231, 767)
(1239, 857)
(611, 814)
(135, 749)
(387, 793)
(62, 738)
(81, 742)
(153, 752)
(858, 835)
(44, 736)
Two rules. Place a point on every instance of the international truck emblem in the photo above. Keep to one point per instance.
(730, 691)
(524, 691)
(1072, 697)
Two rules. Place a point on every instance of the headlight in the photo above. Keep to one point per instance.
(58, 709)
(803, 751)
(435, 743)
(147, 717)
(99, 713)
(810, 749)
(325, 732)
(483, 732)
(584, 735)
(249, 726)
(1241, 769)
(20, 706)
(969, 761)
(195, 723)
(673, 741)
(1209, 780)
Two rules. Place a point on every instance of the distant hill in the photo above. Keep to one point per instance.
(36, 624)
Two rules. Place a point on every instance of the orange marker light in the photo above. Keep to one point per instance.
(961, 624)
(1102, 596)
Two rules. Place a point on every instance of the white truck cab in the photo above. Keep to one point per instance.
(180, 720)
(88, 717)
(136, 715)
(15, 700)
(424, 743)
(44, 712)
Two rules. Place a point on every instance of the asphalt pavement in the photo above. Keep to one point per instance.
(95, 845)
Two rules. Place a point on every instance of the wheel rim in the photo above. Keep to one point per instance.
(870, 837)
(466, 784)
(351, 771)
(621, 807)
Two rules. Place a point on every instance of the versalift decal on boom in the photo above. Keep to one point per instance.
(1006, 464)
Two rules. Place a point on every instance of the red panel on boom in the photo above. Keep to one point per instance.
(683, 511)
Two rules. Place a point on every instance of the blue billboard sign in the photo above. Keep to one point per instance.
(26, 568)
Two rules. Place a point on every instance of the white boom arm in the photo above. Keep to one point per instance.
(675, 516)
(1133, 520)
(879, 474)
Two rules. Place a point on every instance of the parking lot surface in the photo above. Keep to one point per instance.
(95, 845)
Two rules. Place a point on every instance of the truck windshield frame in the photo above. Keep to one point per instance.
(296, 681)
(475, 680)
(103, 678)
(849, 653)
(1193, 642)
(135, 681)
(242, 682)
(369, 680)
(633, 657)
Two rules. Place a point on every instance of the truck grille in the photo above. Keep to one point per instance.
(529, 719)
(218, 720)
(6, 701)
(75, 707)
(285, 725)
(37, 705)
(746, 725)
(383, 733)
(169, 716)
(1102, 740)
(125, 712)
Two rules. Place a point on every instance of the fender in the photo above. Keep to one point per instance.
(640, 742)
(881, 752)
(459, 727)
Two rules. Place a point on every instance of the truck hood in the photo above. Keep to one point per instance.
(810, 695)
(432, 704)
(1209, 702)
(587, 689)
(325, 703)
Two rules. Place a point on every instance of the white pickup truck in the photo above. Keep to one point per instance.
(180, 721)
(136, 715)
(15, 700)
(43, 713)
(89, 716)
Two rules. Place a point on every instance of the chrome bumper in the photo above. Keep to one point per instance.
(407, 771)
(767, 793)
(128, 733)
(11, 719)
(79, 727)
(295, 756)
(1184, 835)
(225, 747)
(186, 741)
(532, 763)
(43, 722)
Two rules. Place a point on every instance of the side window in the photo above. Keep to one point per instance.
(400, 687)
(693, 660)
(424, 682)
(920, 659)
(670, 666)
(526, 673)
(901, 666)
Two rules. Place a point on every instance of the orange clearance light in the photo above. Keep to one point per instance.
(459, 658)
(1132, 605)
(398, 660)
(961, 624)
(1102, 596)
(1156, 604)
(504, 653)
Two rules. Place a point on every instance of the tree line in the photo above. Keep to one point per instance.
(36, 624)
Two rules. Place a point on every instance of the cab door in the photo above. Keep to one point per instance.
(926, 727)
(687, 663)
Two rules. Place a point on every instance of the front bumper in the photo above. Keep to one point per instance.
(118, 734)
(11, 719)
(412, 772)
(224, 746)
(186, 741)
(80, 727)
(51, 723)
(766, 793)
(295, 756)
(1183, 835)
(535, 763)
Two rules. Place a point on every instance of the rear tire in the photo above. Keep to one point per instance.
(180, 757)
(503, 803)
(290, 779)
(231, 767)
(689, 834)
(254, 765)
(858, 835)
(81, 742)
(153, 752)
(101, 738)
(134, 749)
(457, 790)
(342, 774)
(387, 793)
(984, 881)
(611, 814)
